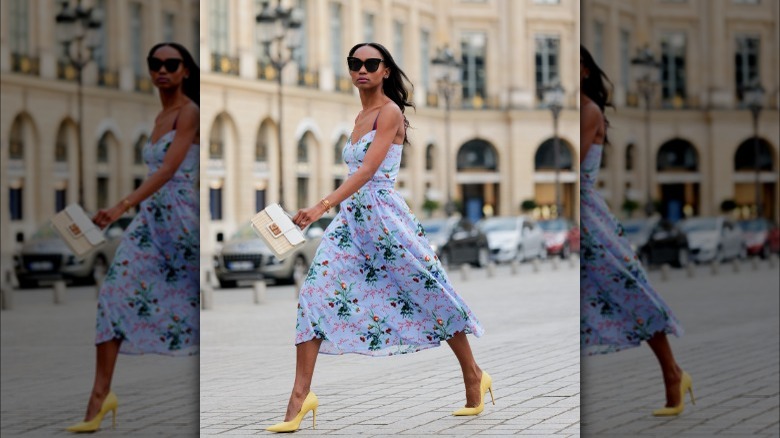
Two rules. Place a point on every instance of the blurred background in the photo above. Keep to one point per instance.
(495, 84)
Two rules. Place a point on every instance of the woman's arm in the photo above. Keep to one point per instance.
(590, 122)
(187, 126)
(390, 118)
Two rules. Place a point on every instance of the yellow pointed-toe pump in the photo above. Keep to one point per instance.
(309, 404)
(109, 404)
(686, 385)
(486, 384)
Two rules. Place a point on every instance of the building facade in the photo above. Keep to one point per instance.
(698, 148)
(39, 117)
(500, 144)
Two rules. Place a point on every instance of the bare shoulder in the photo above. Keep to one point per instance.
(191, 109)
(591, 112)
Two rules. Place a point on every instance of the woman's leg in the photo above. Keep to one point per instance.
(472, 374)
(306, 357)
(106, 354)
(672, 372)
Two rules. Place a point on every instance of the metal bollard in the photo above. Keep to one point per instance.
(690, 270)
(665, 272)
(206, 296)
(714, 267)
(59, 292)
(464, 272)
(259, 291)
(514, 267)
(735, 265)
(491, 269)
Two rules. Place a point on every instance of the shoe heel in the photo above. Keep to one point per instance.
(490, 388)
(690, 390)
(314, 419)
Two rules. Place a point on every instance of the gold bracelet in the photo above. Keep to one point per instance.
(326, 203)
(128, 205)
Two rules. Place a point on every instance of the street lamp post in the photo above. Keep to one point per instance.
(553, 99)
(754, 98)
(278, 26)
(647, 73)
(446, 70)
(80, 26)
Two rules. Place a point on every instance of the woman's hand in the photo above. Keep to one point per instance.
(306, 216)
(104, 218)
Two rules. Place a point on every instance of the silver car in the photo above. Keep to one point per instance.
(513, 238)
(713, 239)
(45, 257)
(246, 257)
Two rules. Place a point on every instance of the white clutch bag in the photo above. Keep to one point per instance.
(277, 230)
(77, 230)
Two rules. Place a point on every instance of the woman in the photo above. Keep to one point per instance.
(149, 301)
(619, 308)
(375, 287)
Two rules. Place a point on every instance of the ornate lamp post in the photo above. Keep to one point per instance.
(446, 70)
(280, 34)
(754, 99)
(81, 26)
(647, 72)
(553, 100)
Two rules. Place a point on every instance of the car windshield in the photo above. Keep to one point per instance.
(554, 225)
(434, 227)
(498, 224)
(244, 232)
(700, 224)
(45, 232)
(752, 225)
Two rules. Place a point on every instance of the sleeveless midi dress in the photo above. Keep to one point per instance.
(375, 286)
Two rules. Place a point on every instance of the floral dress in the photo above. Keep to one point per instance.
(618, 306)
(150, 296)
(375, 286)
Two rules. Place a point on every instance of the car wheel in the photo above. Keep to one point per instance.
(483, 257)
(683, 258)
(299, 270)
(565, 251)
(228, 284)
(766, 251)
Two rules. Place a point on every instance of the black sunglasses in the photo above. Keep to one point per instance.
(372, 64)
(171, 64)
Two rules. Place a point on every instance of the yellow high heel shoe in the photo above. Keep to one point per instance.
(109, 404)
(686, 385)
(309, 404)
(486, 384)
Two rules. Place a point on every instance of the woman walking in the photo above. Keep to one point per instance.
(149, 301)
(619, 307)
(375, 287)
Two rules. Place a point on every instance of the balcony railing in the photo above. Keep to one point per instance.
(343, 85)
(143, 84)
(266, 71)
(224, 64)
(108, 78)
(308, 78)
(66, 71)
(25, 64)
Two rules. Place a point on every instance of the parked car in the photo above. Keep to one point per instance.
(713, 239)
(45, 257)
(762, 237)
(561, 236)
(456, 240)
(513, 238)
(657, 241)
(246, 257)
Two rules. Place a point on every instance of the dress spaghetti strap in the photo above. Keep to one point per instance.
(377, 118)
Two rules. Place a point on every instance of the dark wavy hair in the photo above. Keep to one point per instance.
(395, 86)
(191, 85)
(597, 85)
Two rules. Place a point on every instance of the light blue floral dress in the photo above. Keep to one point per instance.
(618, 306)
(375, 286)
(150, 296)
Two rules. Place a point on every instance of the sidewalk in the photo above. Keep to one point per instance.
(731, 348)
(48, 363)
(530, 348)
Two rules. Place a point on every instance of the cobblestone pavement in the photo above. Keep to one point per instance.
(731, 348)
(48, 361)
(530, 348)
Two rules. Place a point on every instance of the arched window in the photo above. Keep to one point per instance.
(745, 157)
(429, 153)
(303, 148)
(630, 151)
(477, 154)
(338, 149)
(102, 148)
(61, 146)
(263, 142)
(677, 154)
(545, 155)
(16, 141)
(138, 150)
(217, 140)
